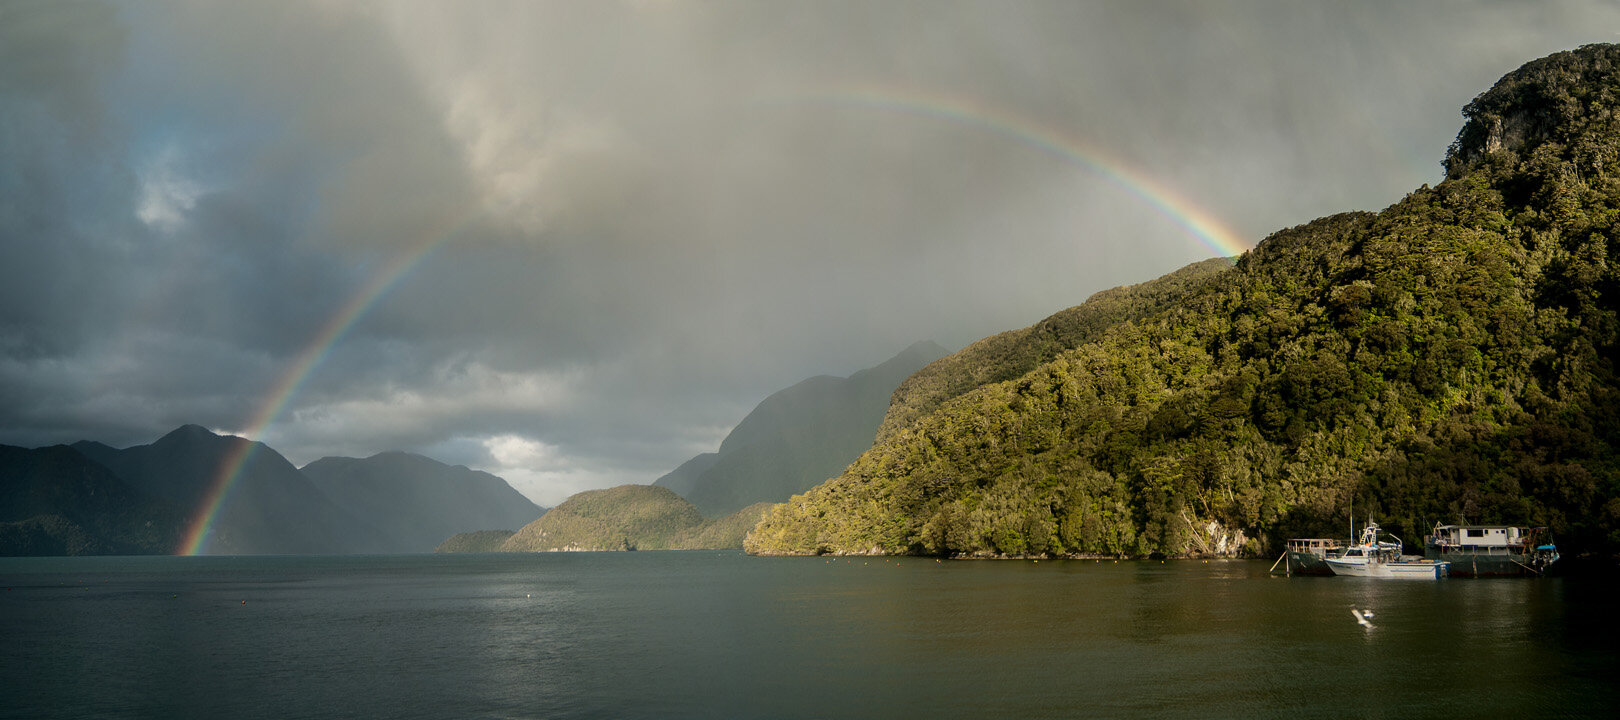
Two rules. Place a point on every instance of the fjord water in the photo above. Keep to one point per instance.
(714, 635)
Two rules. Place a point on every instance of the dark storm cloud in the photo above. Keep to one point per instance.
(637, 219)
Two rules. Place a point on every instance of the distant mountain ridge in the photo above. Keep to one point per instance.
(796, 438)
(270, 508)
(90, 498)
(417, 502)
(397, 502)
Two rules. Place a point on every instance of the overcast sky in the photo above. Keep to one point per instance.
(574, 243)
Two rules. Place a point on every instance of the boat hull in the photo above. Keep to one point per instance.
(1485, 564)
(1304, 563)
(1418, 570)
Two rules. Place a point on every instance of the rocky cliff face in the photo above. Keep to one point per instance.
(1567, 100)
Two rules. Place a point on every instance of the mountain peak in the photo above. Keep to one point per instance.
(188, 433)
(916, 355)
(925, 348)
(1558, 98)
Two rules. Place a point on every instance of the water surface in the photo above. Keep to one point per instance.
(714, 635)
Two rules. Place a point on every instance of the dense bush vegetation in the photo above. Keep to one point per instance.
(631, 517)
(1450, 358)
(1011, 354)
(481, 541)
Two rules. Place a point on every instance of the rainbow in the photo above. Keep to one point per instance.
(237, 457)
(1202, 225)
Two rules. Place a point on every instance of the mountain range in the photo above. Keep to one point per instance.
(89, 498)
(56, 501)
(270, 508)
(1448, 359)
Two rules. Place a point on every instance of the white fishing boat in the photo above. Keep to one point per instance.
(1376, 558)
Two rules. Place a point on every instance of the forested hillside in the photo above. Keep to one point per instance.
(1449, 358)
(631, 517)
(57, 501)
(479, 541)
(1011, 354)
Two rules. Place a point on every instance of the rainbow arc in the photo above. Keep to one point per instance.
(1202, 225)
(1159, 196)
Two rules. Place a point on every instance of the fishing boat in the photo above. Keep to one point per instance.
(1371, 557)
(1306, 556)
(1490, 550)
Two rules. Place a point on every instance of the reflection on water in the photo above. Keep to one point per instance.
(669, 635)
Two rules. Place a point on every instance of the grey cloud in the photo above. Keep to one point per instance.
(644, 217)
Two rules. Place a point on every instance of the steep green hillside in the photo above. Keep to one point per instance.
(1011, 354)
(723, 532)
(1451, 357)
(627, 517)
(632, 517)
(481, 541)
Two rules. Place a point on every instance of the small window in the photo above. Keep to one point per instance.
(1475, 533)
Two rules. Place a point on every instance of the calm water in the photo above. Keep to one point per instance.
(703, 634)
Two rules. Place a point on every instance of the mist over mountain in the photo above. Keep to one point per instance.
(791, 441)
(1451, 358)
(417, 502)
(684, 478)
(796, 438)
